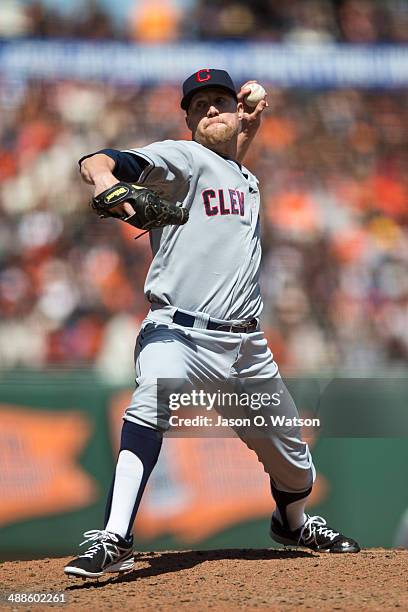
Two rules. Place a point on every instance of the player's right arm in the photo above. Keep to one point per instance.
(105, 168)
(165, 167)
(97, 170)
(109, 165)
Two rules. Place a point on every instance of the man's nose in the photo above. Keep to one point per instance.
(212, 111)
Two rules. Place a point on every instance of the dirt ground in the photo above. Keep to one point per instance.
(375, 579)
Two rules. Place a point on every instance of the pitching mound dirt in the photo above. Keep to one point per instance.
(276, 580)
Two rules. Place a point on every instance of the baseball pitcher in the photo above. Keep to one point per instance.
(201, 207)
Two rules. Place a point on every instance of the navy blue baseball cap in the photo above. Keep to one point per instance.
(206, 77)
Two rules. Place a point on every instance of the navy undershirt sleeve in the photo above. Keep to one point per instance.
(128, 167)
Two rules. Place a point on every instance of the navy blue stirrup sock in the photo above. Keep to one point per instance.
(145, 443)
(283, 499)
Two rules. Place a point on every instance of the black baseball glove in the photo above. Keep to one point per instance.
(150, 210)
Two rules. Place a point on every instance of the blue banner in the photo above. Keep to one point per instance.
(284, 65)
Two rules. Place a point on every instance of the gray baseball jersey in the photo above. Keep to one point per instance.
(211, 264)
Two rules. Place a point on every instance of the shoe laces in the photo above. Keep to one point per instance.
(101, 539)
(316, 525)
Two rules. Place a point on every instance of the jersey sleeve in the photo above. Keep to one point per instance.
(128, 167)
(169, 166)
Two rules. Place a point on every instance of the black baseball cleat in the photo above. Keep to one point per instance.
(315, 534)
(107, 552)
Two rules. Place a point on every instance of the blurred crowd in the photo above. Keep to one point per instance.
(295, 21)
(332, 168)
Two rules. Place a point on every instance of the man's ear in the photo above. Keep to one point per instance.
(240, 110)
(187, 118)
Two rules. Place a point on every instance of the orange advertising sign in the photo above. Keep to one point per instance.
(39, 474)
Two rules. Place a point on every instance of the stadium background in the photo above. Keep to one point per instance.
(331, 158)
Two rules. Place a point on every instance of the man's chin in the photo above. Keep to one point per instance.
(218, 133)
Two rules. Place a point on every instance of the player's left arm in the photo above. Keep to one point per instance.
(251, 121)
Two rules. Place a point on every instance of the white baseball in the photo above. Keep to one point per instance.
(257, 94)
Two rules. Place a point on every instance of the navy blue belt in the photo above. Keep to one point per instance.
(187, 320)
